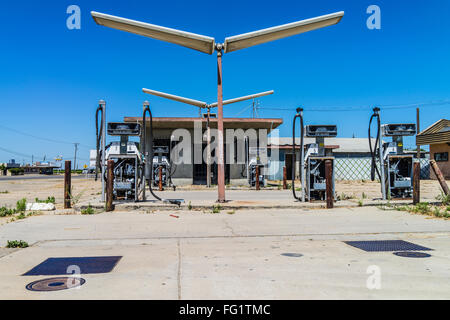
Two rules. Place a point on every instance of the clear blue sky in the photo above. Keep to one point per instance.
(51, 78)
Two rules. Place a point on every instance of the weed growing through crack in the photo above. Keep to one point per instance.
(423, 208)
(445, 199)
(49, 200)
(217, 208)
(17, 244)
(88, 210)
(21, 205)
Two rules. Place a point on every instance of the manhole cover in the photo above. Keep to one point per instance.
(412, 254)
(386, 246)
(55, 284)
(292, 255)
(87, 265)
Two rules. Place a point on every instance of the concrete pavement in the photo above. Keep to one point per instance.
(233, 256)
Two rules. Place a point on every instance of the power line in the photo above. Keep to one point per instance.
(32, 156)
(362, 108)
(41, 138)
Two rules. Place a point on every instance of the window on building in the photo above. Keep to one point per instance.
(440, 157)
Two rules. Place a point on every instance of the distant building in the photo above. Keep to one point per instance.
(92, 158)
(40, 168)
(353, 158)
(437, 136)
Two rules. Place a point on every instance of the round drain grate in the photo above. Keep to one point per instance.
(55, 284)
(292, 255)
(407, 254)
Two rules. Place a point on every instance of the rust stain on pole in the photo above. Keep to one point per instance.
(257, 178)
(208, 150)
(416, 183)
(440, 177)
(110, 186)
(329, 183)
(160, 179)
(67, 184)
(220, 165)
(285, 178)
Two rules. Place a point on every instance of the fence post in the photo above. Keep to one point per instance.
(440, 177)
(416, 183)
(285, 178)
(67, 184)
(160, 179)
(329, 183)
(110, 186)
(257, 178)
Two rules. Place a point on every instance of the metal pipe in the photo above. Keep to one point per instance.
(103, 106)
(416, 182)
(302, 156)
(208, 151)
(110, 186)
(220, 165)
(257, 187)
(381, 154)
(299, 115)
(329, 183)
(67, 184)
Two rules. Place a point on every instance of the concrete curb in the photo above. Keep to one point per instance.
(232, 205)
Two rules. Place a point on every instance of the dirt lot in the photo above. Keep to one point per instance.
(82, 189)
(87, 189)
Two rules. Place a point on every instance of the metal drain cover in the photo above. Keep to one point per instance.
(386, 246)
(292, 255)
(87, 265)
(55, 284)
(406, 254)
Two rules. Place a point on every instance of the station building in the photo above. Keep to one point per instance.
(437, 136)
(195, 174)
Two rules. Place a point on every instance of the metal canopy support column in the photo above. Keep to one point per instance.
(220, 165)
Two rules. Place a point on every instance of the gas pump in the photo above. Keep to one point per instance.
(129, 181)
(131, 159)
(396, 172)
(315, 157)
(254, 163)
(312, 160)
(160, 160)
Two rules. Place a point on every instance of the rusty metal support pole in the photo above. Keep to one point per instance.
(329, 183)
(110, 186)
(208, 150)
(220, 165)
(440, 177)
(67, 184)
(160, 179)
(285, 178)
(416, 183)
(257, 178)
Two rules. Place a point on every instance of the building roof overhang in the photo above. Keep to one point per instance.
(228, 123)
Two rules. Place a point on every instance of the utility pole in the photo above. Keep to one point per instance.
(76, 144)
(255, 107)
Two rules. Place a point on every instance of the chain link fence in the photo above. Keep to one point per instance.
(359, 168)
